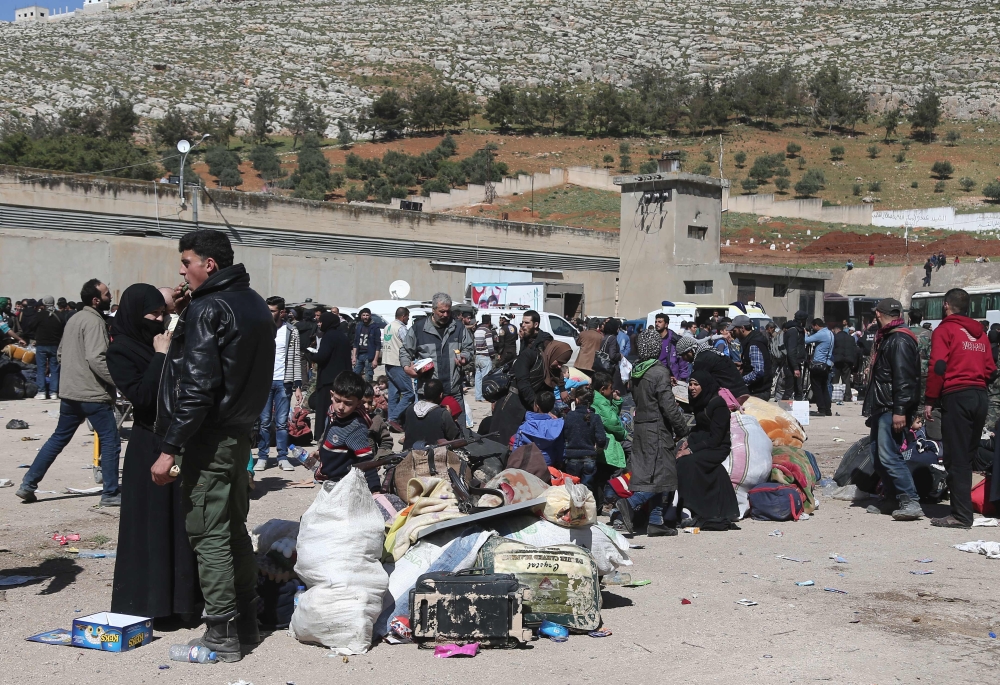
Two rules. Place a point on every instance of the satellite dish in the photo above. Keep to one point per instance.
(399, 290)
(183, 146)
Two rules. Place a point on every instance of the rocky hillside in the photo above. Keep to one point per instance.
(212, 55)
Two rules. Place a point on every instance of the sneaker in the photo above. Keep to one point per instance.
(909, 510)
(27, 495)
(285, 465)
(260, 465)
(111, 500)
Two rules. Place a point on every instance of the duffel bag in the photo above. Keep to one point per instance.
(776, 502)
(857, 467)
(432, 461)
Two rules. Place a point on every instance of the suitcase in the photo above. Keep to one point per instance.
(468, 606)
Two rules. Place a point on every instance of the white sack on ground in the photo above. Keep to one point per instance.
(749, 461)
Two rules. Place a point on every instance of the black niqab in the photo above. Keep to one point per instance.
(328, 320)
(709, 389)
(129, 327)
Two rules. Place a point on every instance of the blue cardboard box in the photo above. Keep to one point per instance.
(112, 632)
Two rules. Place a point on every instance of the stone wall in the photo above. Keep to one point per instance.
(937, 217)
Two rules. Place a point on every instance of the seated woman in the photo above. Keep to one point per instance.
(702, 481)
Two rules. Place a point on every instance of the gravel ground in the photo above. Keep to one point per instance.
(891, 626)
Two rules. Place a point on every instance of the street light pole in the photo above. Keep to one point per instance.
(184, 147)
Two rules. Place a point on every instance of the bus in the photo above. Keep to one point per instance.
(857, 310)
(984, 304)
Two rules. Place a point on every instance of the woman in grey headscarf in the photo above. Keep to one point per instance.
(659, 422)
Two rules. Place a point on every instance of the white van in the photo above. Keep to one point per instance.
(386, 309)
(553, 324)
(697, 313)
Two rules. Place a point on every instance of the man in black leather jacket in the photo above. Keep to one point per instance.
(215, 383)
(795, 354)
(891, 401)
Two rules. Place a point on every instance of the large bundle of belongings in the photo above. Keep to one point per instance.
(17, 371)
(438, 557)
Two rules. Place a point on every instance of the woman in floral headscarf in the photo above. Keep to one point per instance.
(659, 422)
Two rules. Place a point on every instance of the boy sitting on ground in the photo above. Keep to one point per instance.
(346, 441)
(426, 422)
(544, 429)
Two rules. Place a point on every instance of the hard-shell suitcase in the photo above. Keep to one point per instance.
(468, 606)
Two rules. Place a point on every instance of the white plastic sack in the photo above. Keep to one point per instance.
(339, 546)
(266, 534)
(749, 461)
(570, 505)
(450, 550)
(607, 545)
(990, 549)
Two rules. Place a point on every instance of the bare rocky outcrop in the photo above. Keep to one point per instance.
(217, 53)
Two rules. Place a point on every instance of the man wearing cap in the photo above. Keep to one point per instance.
(755, 357)
(506, 343)
(891, 402)
(961, 366)
(49, 326)
(822, 363)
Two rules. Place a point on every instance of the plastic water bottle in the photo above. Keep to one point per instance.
(298, 593)
(194, 655)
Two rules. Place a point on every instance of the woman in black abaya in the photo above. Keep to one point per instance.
(156, 574)
(702, 480)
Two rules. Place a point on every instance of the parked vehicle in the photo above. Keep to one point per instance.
(698, 313)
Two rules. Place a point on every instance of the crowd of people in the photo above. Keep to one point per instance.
(213, 372)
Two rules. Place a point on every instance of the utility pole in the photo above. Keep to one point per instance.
(491, 189)
(532, 196)
(184, 147)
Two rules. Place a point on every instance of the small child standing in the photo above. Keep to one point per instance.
(347, 440)
(585, 436)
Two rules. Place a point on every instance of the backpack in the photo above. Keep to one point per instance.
(776, 502)
(496, 384)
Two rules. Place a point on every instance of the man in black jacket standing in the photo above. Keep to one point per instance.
(795, 355)
(755, 357)
(215, 383)
(891, 403)
(845, 359)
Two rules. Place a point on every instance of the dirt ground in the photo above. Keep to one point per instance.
(891, 626)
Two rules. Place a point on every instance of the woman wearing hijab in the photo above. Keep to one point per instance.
(332, 357)
(155, 572)
(703, 482)
(534, 370)
(659, 423)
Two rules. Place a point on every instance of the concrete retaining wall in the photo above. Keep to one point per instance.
(902, 281)
(474, 194)
(812, 210)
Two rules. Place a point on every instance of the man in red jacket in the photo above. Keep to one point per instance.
(960, 367)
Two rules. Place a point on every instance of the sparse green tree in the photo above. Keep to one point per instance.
(782, 184)
(807, 187)
(939, 187)
(311, 178)
(992, 191)
(837, 152)
(122, 120)
(174, 126)
(890, 121)
(344, 137)
(306, 117)
(625, 162)
(703, 169)
(266, 162)
(230, 177)
(900, 157)
(942, 169)
(792, 149)
(608, 161)
(749, 185)
(873, 151)
(648, 167)
(875, 187)
(966, 183)
(802, 163)
(926, 116)
(952, 137)
(624, 148)
(740, 158)
(856, 189)
(386, 115)
(501, 107)
(264, 110)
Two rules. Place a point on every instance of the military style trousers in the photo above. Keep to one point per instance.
(216, 500)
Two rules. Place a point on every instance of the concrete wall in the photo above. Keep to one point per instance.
(55, 233)
(937, 217)
(475, 194)
(589, 177)
(902, 281)
(812, 210)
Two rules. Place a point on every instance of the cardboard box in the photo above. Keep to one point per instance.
(112, 632)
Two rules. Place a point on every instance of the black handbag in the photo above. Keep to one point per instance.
(496, 384)
(602, 360)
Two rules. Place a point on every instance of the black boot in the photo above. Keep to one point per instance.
(221, 637)
(246, 623)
